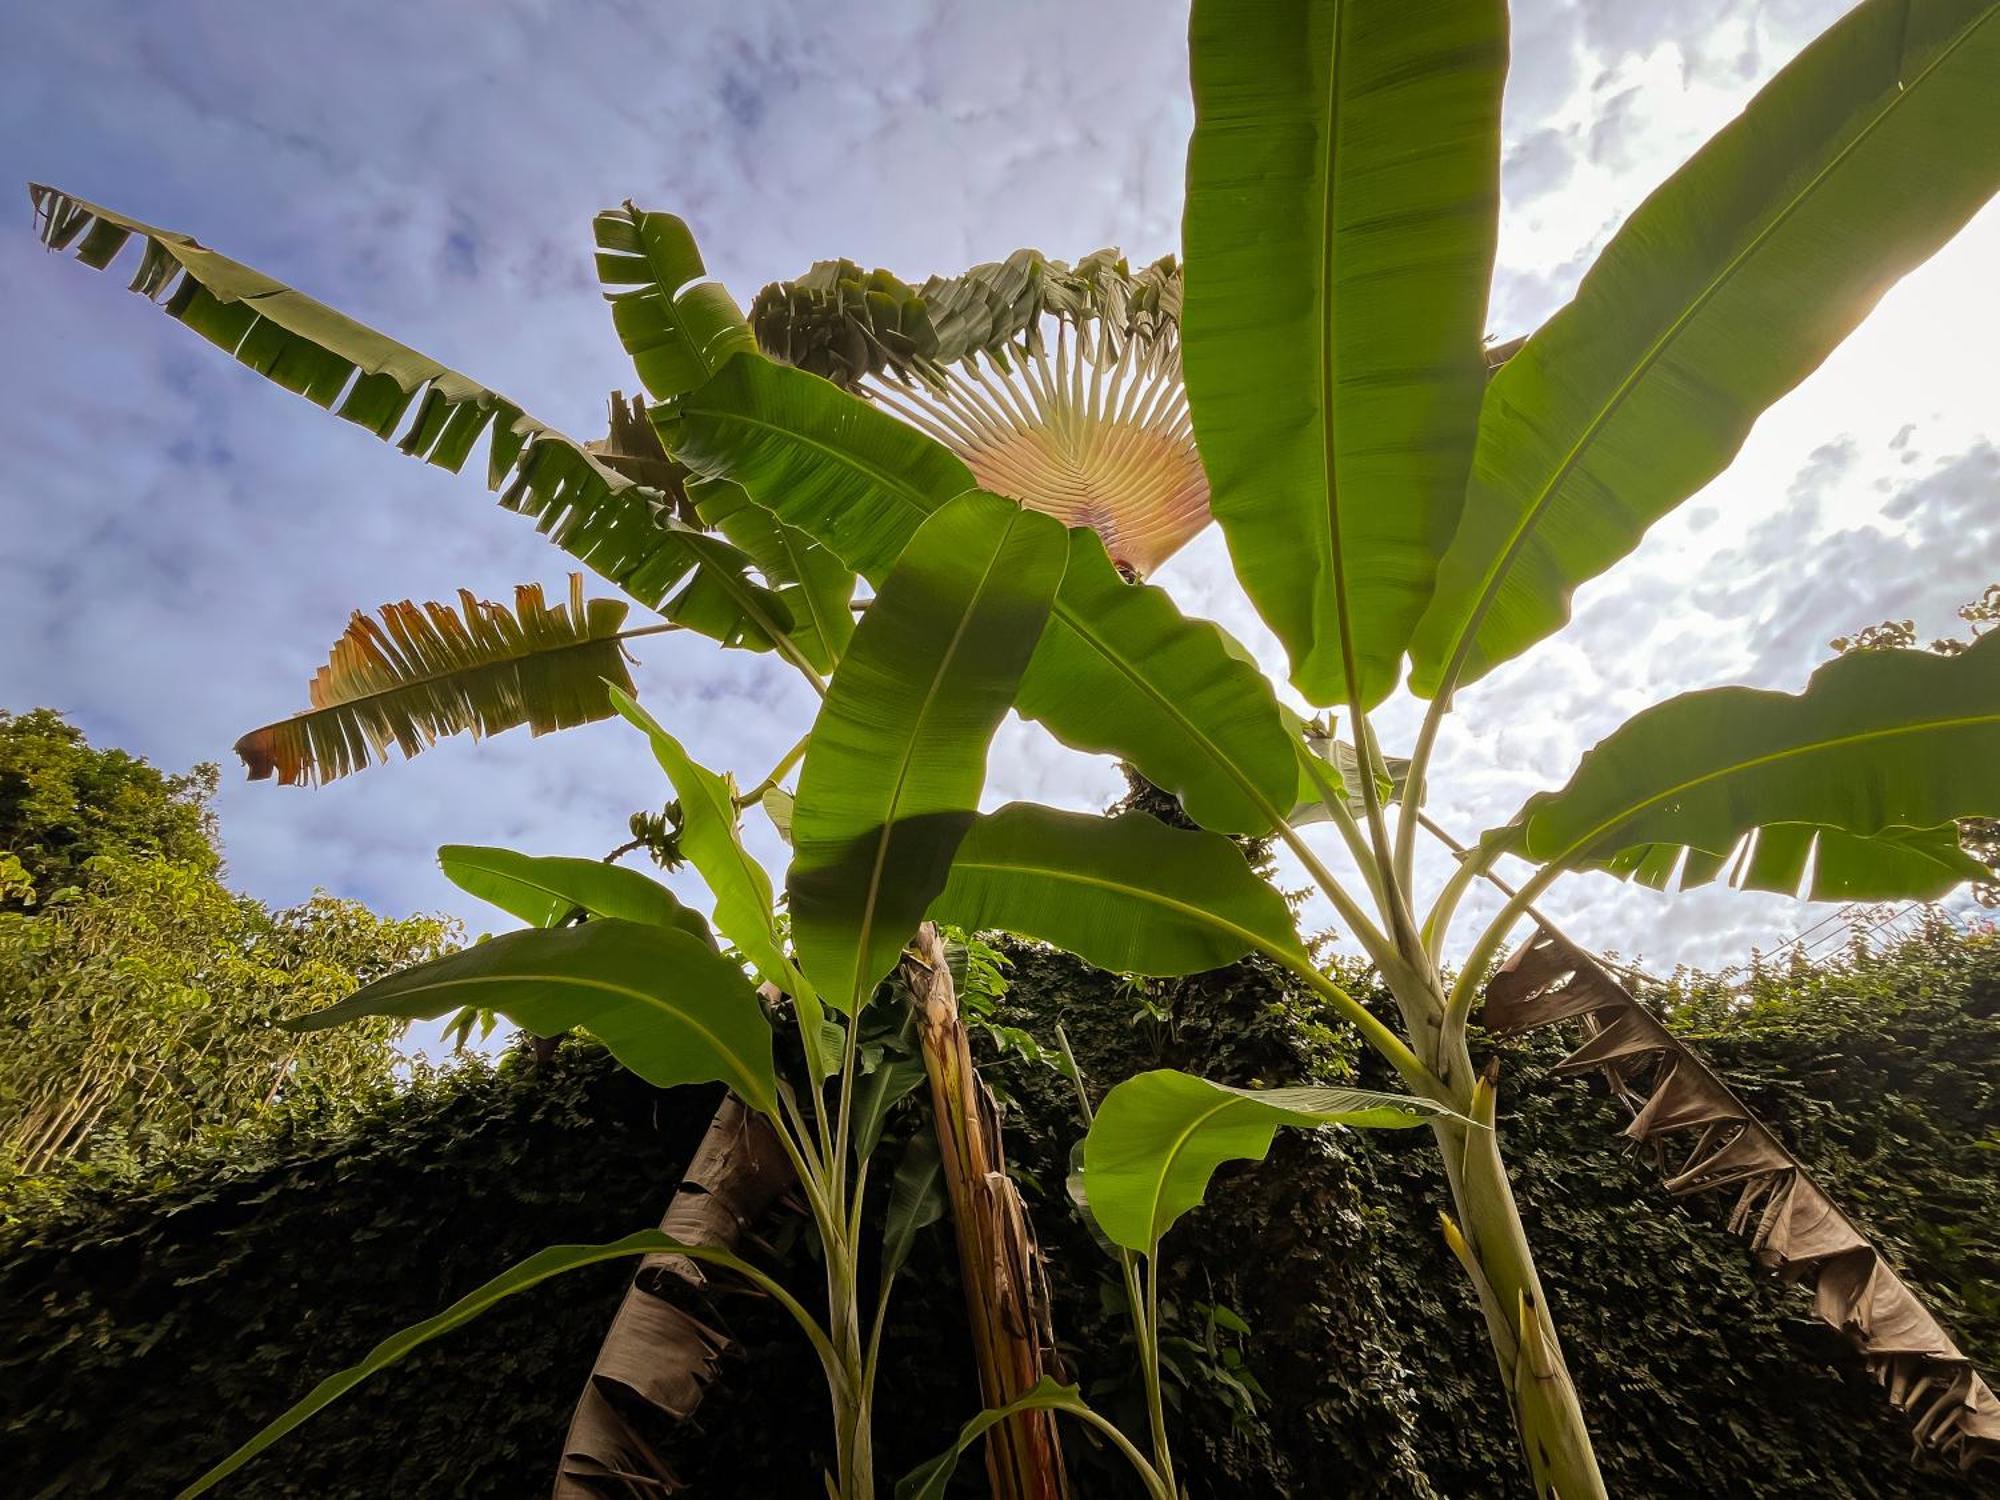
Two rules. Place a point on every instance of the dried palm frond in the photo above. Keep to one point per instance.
(1792, 1226)
(425, 672)
(1059, 386)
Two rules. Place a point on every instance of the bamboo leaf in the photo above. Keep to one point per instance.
(547, 890)
(422, 674)
(898, 754)
(1128, 894)
(1343, 204)
(536, 1269)
(1120, 671)
(1882, 746)
(597, 515)
(666, 1004)
(1158, 1138)
(1723, 290)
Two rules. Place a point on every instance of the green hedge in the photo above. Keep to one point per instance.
(145, 1335)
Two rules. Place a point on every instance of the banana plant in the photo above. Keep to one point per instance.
(1407, 504)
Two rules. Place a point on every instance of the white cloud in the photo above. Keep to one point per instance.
(184, 541)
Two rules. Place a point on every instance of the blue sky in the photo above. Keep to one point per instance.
(183, 541)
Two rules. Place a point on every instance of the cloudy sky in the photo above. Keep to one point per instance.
(180, 542)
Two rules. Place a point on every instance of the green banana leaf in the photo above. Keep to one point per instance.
(1820, 864)
(1120, 670)
(1128, 894)
(1880, 744)
(709, 839)
(597, 515)
(892, 776)
(546, 890)
(665, 1003)
(815, 587)
(678, 329)
(1343, 205)
(916, 1199)
(1723, 290)
(1158, 1138)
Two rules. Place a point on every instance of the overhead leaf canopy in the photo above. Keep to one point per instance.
(1120, 670)
(1058, 386)
(621, 528)
(424, 673)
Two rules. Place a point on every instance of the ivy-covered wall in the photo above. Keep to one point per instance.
(144, 1336)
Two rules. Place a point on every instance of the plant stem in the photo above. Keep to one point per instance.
(1547, 1412)
(778, 772)
(1156, 1409)
(1145, 1329)
(1458, 1007)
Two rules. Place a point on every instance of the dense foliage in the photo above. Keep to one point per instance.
(153, 1331)
(138, 993)
(64, 802)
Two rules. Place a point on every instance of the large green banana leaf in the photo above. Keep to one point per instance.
(1343, 204)
(597, 515)
(665, 1003)
(1158, 1138)
(1884, 747)
(546, 890)
(892, 777)
(1121, 673)
(1128, 894)
(424, 673)
(1725, 288)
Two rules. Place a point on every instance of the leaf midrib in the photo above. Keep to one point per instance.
(465, 669)
(1497, 573)
(1329, 463)
(886, 836)
(1155, 1229)
(1793, 752)
(746, 1079)
(544, 889)
(1249, 936)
